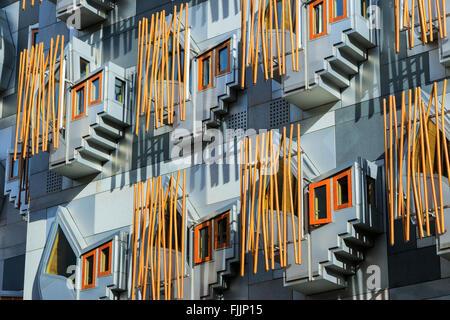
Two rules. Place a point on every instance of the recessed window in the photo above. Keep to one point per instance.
(317, 19)
(61, 256)
(222, 231)
(205, 71)
(338, 10)
(175, 65)
(84, 67)
(319, 203)
(88, 279)
(203, 242)
(370, 191)
(14, 167)
(223, 58)
(104, 259)
(119, 90)
(364, 6)
(34, 34)
(342, 190)
(79, 101)
(95, 89)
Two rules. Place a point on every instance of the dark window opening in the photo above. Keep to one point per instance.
(62, 256)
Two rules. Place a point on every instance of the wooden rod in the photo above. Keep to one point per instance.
(179, 64)
(271, 173)
(283, 39)
(277, 33)
(438, 11)
(173, 69)
(243, 42)
(444, 18)
(397, 26)
(280, 242)
(177, 262)
(391, 175)
(171, 213)
(19, 99)
(149, 208)
(255, 168)
(299, 195)
(291, 33)
(241, 172)
(408, 169)
(258, 223)
(186, 60)
(271, 38)
(155, 58)
(264, 41)
(139, 66)
(284, 196)
(158, 255)
(430, 20)
(444, 139)
(411, 35)
(144, 206)
(255, 62)
(252, 30)
(183, 226)
(264, 221)
(438, 147)
(291, 199)
(400, 170)
(135, 209)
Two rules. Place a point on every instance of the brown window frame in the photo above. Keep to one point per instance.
(226, 216)
(11, 162)
(209, 55)
(311, 22)
(336, 205)
(85, 286)
(90, 81)
(74, 92)
(226, 44)
(101, 273)
(197, 229)
(312, 220)
(34, 33)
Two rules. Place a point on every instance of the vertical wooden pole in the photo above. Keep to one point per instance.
(424, 171)
(186, 60)
(291, 32)
(264, 41)
(177, 262)
(277, 206)
(139, 65)
(255, 62)
(183, 226)
(284, 196)
(264, 202)
(430, 20)
(391, 175)
(283, 36)
(252, 214)
(149, 208)
(408, 168)
(19, 99)
(400, 160)
(299, 194)
(277, 33)
(438, 148)
(271, 173)
(135, 217)
(291, 211)
(438, 11)
(444, 139)
(259, 209)
(243, 42)
(61, 90)
(244, 204)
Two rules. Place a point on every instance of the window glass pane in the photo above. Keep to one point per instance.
(89, 271)
(342, 190)
(119, 90)
(371, 191)
(15, 167)
(338, 8)
(317, 18)
(223, 59)
(364, 4)
(79, 103)
(204, 242)
(105, 260)
(61, 257)
(320, 202)
(84, 67)
(206, 71)
(222, 231)
(95, 90)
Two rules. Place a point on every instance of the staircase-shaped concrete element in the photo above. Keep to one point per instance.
(333, 251)
(89, 140)
(85, 13)
(215, 100)
(332, 61)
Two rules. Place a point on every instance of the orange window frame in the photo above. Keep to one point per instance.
(344, 11)
(34, 33)
(336, 205)
(11, 164)
(90, 81)
(312, 187)
(100, 250)
(197, 229)
(83, 278)
(217, 53)
(226, 216)
(200, 71)
(74, 93)
(311, 20)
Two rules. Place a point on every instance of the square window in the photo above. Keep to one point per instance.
(95, 89)
(342, 190)
(222, 231)
(104, 263)
(317, 19)
(338, 10)
(202, 242)
(88, 277)
(84, 67)
(79, 102)
(223, 58)
(319, 203)
(205, 71)
(119, 90)
(14, 166)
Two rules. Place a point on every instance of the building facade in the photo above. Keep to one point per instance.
(224, 149)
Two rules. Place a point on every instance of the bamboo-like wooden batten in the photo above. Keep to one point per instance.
(267, 198)
(261, 19)
(152, 250)
(408, 154)
(159, 66)
(423, 12)
(24, 3)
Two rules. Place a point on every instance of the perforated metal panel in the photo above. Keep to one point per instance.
(235, 121)
(54, 182)
(279, 113)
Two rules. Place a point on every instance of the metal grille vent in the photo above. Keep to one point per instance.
(54, 182)
(234, 122)
(279, 113)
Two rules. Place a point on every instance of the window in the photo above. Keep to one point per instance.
(61, 256)
(338, 10)
(95, 89)
(119, 90)
(202, 242)
(88, 277)
(104, 259)
(364, 6)
(317, 19)
(319, 203)
(14, 166)
(279, 11)
(79, 101)
(370, 190)
(34, 34)
(222, 231)
(205, 79)
(342, 190)
(223, 58)
(176, 65)
(84, 67)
